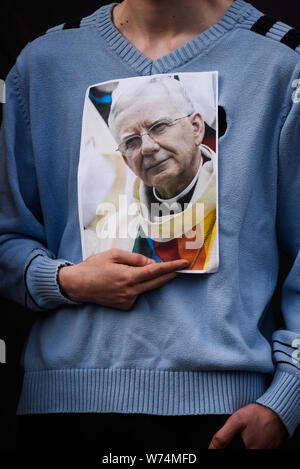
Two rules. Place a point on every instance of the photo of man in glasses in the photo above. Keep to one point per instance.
(160, 134)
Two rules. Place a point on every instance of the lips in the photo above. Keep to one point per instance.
(156, 164)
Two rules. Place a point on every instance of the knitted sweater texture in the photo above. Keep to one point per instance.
(200, 344)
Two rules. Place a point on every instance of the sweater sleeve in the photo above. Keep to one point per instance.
(283, 396)
(28, 270)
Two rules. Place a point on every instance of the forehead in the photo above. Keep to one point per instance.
(154, 104)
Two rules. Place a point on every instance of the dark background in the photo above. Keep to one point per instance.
(21, 22)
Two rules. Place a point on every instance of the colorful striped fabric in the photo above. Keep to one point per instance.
(177, 248)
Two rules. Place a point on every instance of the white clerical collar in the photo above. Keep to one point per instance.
(181, 194)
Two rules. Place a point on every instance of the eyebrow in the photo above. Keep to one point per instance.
(147, 127)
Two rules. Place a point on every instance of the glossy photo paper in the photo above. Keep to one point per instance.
(148, 170)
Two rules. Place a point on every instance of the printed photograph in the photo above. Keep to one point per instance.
(148, 169)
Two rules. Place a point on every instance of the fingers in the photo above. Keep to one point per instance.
(157, 275)
(154, 283)
(225, 435)
(129, 258)
(150, 272)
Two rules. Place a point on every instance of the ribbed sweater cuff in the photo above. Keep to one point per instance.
(42, 283)
(283, 396)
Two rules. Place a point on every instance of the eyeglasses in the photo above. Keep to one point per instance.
(155, 131)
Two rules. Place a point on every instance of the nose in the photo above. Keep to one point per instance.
(148, 144)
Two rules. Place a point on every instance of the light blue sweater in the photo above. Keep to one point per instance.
(201, 343)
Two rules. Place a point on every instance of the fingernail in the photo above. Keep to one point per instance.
(150, 261)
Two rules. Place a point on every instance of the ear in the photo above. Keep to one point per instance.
(198, 127)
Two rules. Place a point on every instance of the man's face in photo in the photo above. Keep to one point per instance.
(161, 143)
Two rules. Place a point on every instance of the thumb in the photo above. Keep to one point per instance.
(121, 256)
(225, 435)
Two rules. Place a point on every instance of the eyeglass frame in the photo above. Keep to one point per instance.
(152, 125)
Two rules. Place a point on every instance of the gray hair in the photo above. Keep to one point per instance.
(129, 89)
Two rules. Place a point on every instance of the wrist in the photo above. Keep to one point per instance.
(41, 281)
(66, 282)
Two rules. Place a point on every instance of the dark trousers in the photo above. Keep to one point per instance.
(115, 430)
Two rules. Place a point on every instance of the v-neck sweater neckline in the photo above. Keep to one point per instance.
(176, 58)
